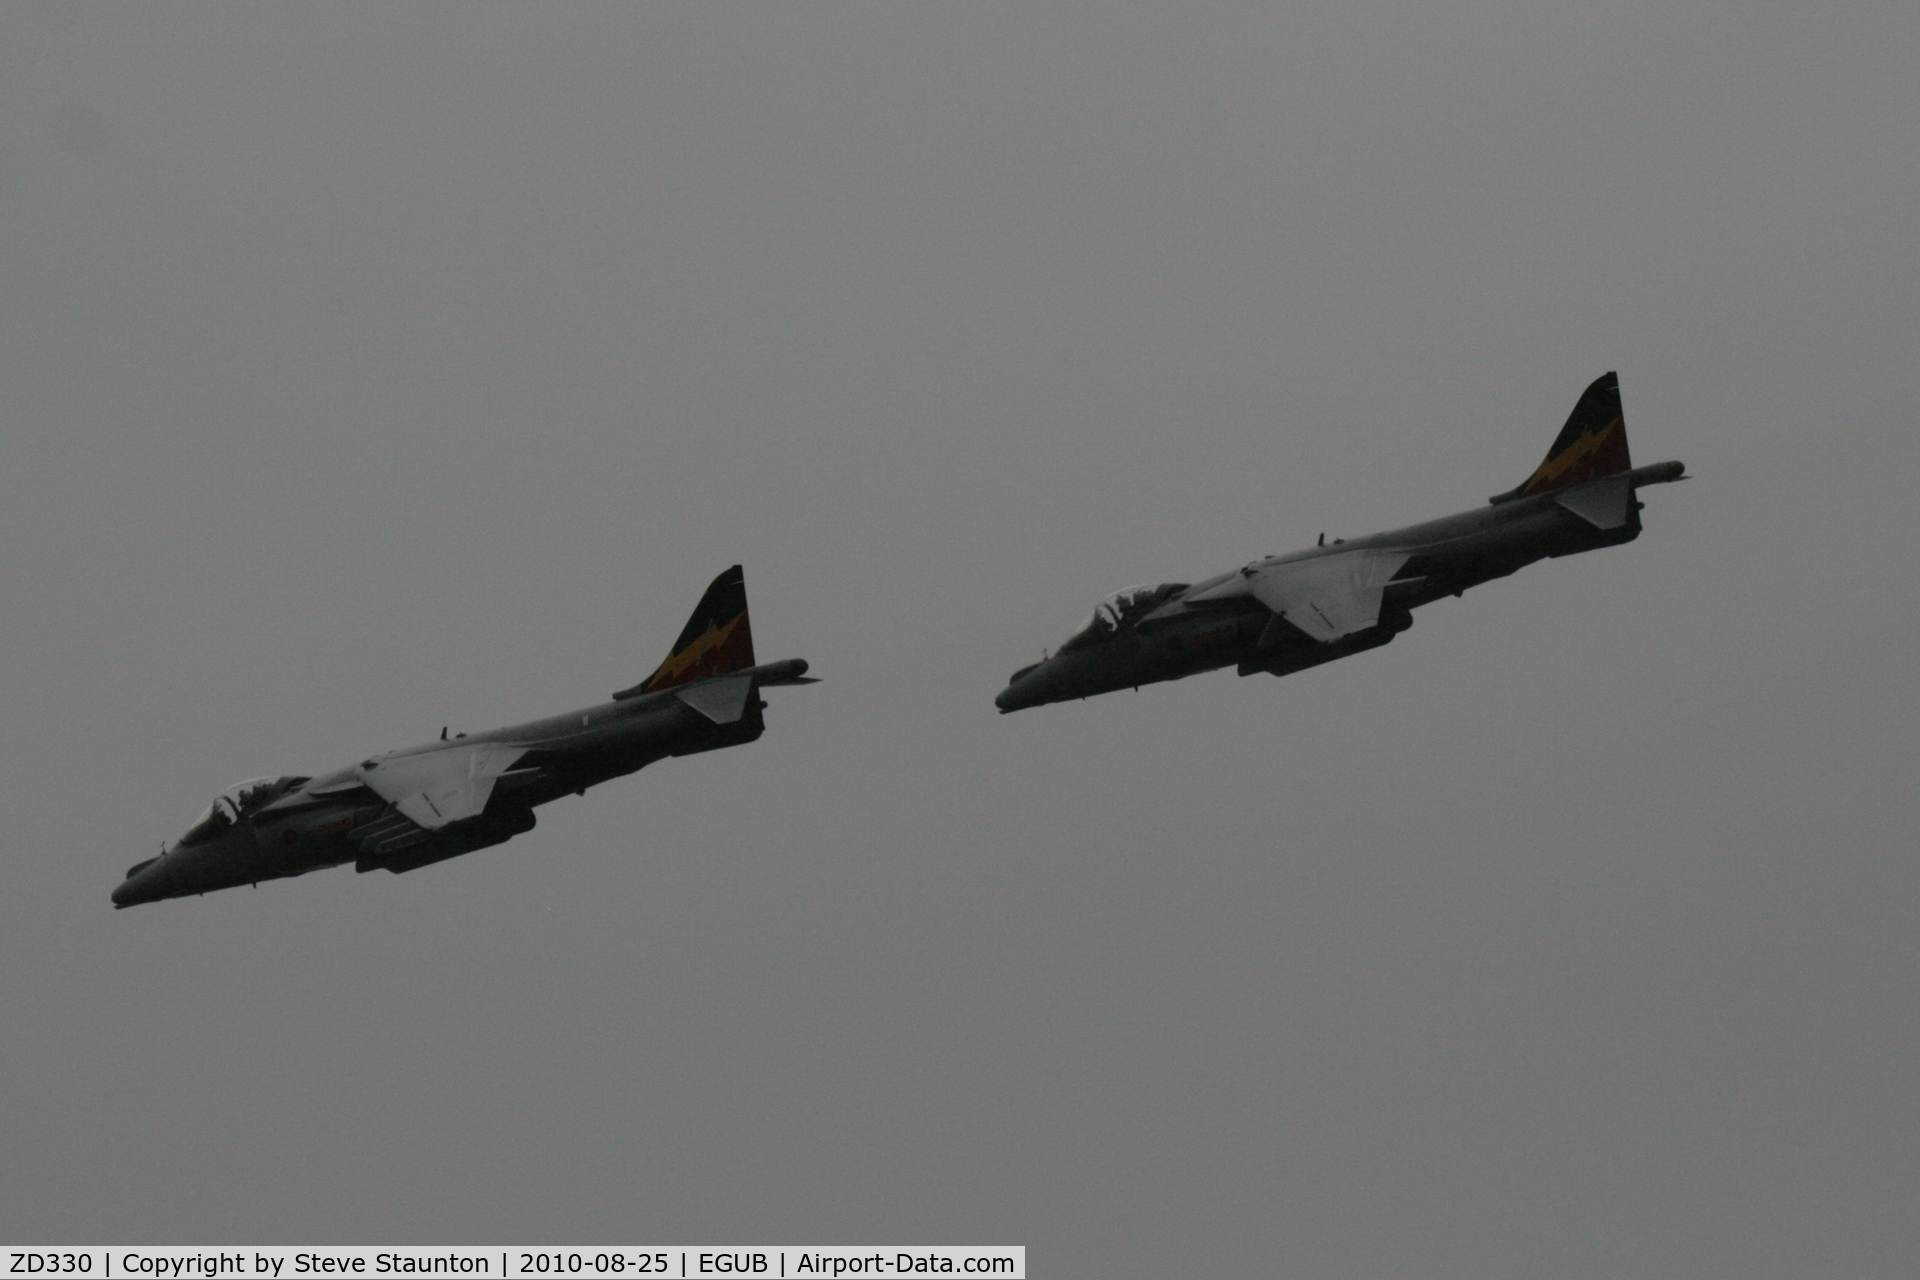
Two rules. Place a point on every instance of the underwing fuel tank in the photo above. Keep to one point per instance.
(462, 837)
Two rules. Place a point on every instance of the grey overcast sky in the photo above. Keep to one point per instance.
(367, 369)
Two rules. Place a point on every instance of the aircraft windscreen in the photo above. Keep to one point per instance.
(234, 803)
(1119, 610)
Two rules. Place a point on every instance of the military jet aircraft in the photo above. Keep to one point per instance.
(1284, 613)
(407, 809)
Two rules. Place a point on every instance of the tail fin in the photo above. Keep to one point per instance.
(1591, 445)
(716, 639)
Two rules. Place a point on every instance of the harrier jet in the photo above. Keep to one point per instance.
(424, 804)
(1285, 613)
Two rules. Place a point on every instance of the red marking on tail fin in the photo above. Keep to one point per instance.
(1595, 454)
(717, 638)
(1591, 445)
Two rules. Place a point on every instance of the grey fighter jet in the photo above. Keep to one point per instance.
(406, 809)
(1285, 613)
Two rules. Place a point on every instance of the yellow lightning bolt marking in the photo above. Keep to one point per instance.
(1558, 465)
(712, 638)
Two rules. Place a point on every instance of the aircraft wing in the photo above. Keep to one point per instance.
(437, 787)
(1328, 596)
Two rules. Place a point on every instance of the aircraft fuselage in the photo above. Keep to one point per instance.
(1210, 624)
(339, 817)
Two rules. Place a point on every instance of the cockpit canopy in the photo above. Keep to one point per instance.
(235, 803)
(1120, 611)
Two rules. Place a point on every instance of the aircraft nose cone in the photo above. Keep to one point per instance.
(145, 882)
(1022, 690)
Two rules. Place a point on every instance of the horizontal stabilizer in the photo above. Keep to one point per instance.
(1604, 504)
(722, 700)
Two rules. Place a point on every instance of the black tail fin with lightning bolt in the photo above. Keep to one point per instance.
(716, 640)
(1592, 444)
